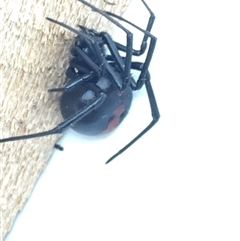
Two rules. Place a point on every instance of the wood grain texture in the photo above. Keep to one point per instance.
(34, 56)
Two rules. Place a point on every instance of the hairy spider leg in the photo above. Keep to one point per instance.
(65, 124)
(154, 111)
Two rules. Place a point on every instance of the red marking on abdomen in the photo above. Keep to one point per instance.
(115, 120)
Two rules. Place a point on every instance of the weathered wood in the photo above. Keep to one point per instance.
(34, 56)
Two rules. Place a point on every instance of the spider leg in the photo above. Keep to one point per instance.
(89, 30)
(65, 124)
(92, 44)
(145, 37)
(144, 67)
(107, 39)
(154, 110)
(74, 83)
(127, 66)
(115, 56)
(71, 72)
(122, 47)
(58, 147)
(87, 60)
(104, 64)
(142, 78)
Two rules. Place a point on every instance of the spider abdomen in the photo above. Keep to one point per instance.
(103, 119)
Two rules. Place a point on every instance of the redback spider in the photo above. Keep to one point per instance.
(98, 92)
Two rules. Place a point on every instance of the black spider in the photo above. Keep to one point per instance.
(98, 93)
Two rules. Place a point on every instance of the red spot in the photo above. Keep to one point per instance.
(115, 120)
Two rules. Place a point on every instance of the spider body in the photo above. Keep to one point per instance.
(117, 103)
(104, 118)
(98, 93)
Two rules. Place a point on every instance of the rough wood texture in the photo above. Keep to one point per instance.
(34, 56)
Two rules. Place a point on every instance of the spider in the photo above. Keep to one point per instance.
(98, 92)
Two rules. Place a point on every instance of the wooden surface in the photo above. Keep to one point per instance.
(34, 56)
